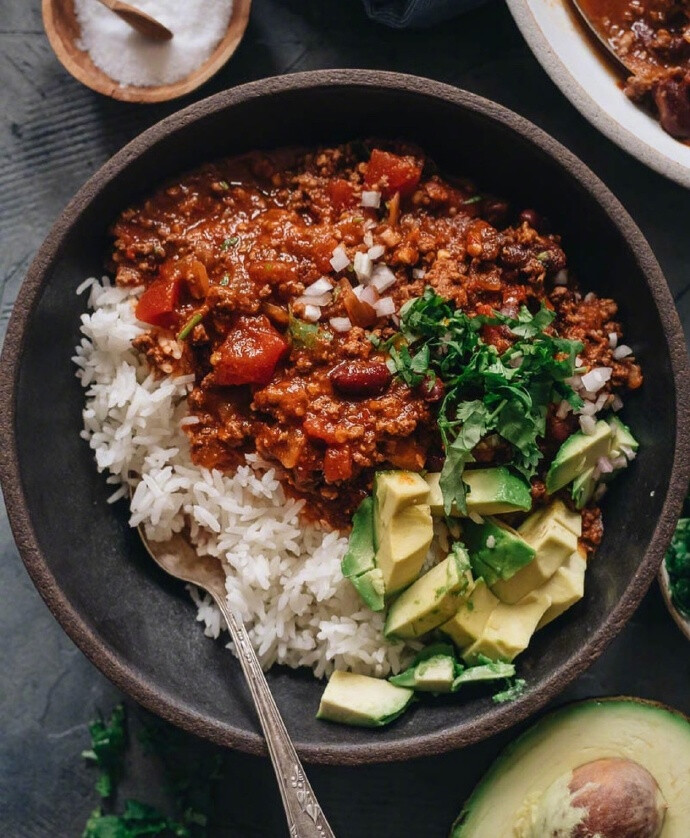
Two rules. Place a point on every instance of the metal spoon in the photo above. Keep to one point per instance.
(603, 40)
(143, 23)
(304, 815)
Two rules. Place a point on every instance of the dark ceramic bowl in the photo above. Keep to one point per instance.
(138, 626)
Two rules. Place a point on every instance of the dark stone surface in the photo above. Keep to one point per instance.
(53, 136)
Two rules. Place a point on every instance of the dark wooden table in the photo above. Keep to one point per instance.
(53, 135)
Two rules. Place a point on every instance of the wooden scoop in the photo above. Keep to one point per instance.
(143, 23)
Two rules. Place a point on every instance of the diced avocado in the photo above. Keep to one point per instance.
(578, 453)
(496, 550)
(489, 671)
(490, 491)
(403, 544)
(432, 599)
(362, 701)
(516, 797)
(565, 587)
(553, 544)
(469, 620)
(435, 674)
(396, 490)
(509, 629)
(559, 511)
(369, 585)
(583, 488)
(622, 435)
(359, 557)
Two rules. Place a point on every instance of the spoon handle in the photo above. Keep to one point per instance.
(304, 815)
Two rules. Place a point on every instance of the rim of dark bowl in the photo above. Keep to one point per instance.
(114, 666)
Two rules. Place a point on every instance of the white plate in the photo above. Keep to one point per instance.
(576, 66)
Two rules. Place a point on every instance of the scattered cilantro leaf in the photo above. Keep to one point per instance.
(678, 566)
(306, 334)
(108, 743)
(138, 819)
(514, 690)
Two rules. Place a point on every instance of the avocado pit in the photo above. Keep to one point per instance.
(606, 798)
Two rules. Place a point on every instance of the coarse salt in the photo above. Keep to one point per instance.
(130, 58)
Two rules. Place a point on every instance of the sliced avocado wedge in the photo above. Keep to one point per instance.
(396, 490)
(564, 588)
(522, 785)
(362, 701)
(490, 491)
(509, 629)
(583, 488)
(435, 674)
(552, 543)
(622, 435)
(403, 543)
(360, 549)
(469, 620)
(489, 671)
(432, 599)
(559, 511)
(578, 453)
(369, 585)
(496, 550)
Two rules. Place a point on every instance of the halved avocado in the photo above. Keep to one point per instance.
(527, 792)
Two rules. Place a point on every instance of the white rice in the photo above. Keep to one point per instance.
(283, 577)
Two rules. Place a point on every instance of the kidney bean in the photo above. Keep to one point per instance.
(431, 391)
(360, 378)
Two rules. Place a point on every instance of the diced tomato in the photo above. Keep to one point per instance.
(390, 173)
(249, 354)
(157, 305)
(320, 427)
(337, 465)
(341, 193)
(497, 336)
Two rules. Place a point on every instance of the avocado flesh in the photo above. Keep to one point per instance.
(583, 488)
(396, 490)
(403, 543)
(509, 629)
(504, 803)
(469, 620)
(577, 454)
(553, 544)
(490, 491)
(435, 674)
(369, 585)
(622, 435)
(362, 701)
(559, 512)
(432, 599)
(496, 550)
(360, 548)
(484, 672)
(565, 588)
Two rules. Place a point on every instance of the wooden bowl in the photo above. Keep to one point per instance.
(62, 29)
(137, 625)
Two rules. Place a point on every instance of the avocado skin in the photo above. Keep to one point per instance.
(616, 717)
(509, 553)
(359, 557)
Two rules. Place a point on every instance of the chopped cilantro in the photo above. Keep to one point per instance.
(678, 566)
(138, 819)
(193, 321)
(225, 280)
(306, 334)
(475, 199)
(231, 242)
(108, 742)
(486, 391)
(224, 184)
(514, 690)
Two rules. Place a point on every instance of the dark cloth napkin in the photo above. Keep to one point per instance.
(401, 14)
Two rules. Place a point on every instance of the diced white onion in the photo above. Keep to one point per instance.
(589, 297)
(564, 409)
(476, 517)
(368, 239)
(376, 251)
(418, 273)
(311, 313)
(382, 278)
(491, 542)
(574, 381)
(629, 453)
(371, 199)
(340, 324)
(613, 340)
(617, 403)
(595, 379)
(385, 307)
(363, 266)
(604, 465)
(600, 402)
(587, 424)
(314, 299)
(396, 320)
(321, 286)
(339, 260)
(368, 295)
(561, 277)
(515, 361)
(588, 409)
(189, 420)
(621, 352)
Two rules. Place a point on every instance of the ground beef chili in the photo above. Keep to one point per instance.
(225, 254)
(652, 37)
